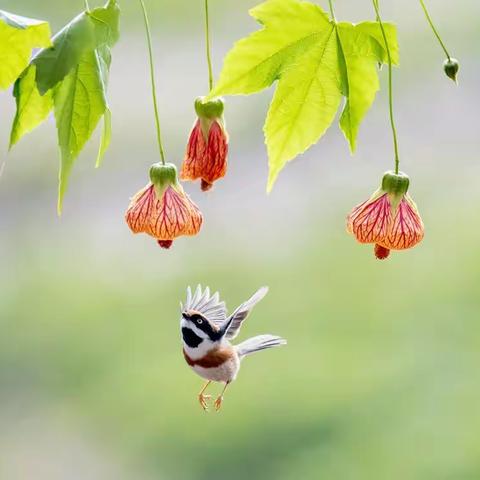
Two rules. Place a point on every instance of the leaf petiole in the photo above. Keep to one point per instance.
(332, 11)
(152, 78)
(390, 86)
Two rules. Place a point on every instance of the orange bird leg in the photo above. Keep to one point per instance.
(203, 398)
(219, 400)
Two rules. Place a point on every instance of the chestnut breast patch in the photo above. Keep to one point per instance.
(214, 358)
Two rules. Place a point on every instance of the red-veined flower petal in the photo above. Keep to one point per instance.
(215, 163)
(195, 155)
(140, 209)
(407, 228)
(369, 221)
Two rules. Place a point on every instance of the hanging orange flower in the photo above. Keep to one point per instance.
(162, 209)
(389, 219)
(207, 149)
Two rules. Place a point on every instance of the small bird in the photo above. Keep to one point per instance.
(206, 333)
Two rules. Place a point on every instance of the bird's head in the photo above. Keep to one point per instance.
(197, 329)
(203, 319)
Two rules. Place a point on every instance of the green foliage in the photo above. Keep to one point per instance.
(316, 62)
(83, 34)
(18, 36)
(106, 136)
(32, 108)
(79, 104)
(71, 77)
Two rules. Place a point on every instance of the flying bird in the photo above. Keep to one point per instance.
(207, 332)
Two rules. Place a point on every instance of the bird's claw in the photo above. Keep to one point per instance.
(218, 403)
(203, 401)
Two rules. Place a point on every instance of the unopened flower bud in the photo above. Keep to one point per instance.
(450, 67)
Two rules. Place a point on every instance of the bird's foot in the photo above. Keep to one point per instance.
(218, 403)
(203, 400)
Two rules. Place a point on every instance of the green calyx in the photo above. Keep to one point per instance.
(395, 184)
(209, 109)
(162, 176)
(450, 67)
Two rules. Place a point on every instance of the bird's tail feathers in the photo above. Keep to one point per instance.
(261, 342)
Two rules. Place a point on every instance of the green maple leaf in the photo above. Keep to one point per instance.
(71, 78)
(79, 103)
(316, 62)
(18, 36)
(104, 58)
(86, 32)
(32, 108)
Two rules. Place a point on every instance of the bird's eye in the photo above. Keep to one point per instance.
(199, 321)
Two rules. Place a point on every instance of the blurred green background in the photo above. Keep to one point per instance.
(380, 379)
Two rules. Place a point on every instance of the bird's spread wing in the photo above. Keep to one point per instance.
(241, 313)
(208, 305)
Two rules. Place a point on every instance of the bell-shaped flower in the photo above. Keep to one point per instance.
(162, 209)
(389, 219)
(207, 149)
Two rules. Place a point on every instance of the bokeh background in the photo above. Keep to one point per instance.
(380, 379)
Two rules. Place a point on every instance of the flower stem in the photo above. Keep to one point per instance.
(207, 46)
(429, 19)
(332, 11)
(152, 78)
(87, 7)
(390, 86)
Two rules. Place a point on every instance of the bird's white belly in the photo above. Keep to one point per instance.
(226, 372)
